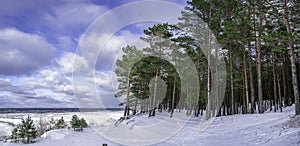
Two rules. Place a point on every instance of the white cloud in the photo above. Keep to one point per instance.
(66, 63)
(50, 76)
(45, 88)
(101, 50)
(22, 53)
(62, 23)
(98, 79)
(28, 83)
(104, 80)
(4, 82)
(66, 43)
(64, 88)
(72, 16)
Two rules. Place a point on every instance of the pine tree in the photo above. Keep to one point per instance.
(75, 122)
(261, 34)
(60, 123)
(124, 71)
(160, 38)
(78, 124)
(14, 135)
(83, 123)
(26, 131)
(291, 49)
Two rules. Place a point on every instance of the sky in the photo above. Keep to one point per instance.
(39, 42)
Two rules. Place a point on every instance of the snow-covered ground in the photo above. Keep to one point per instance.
(276, 129)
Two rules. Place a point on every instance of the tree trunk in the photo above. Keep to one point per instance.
(208, 109)
(135, 106)
(253, 103)
(173, 97)
(246, 82)
(293, 61)
(217, 107)
(153, 103)
(274, 82)
(258, 65)
(284, 80)
(279, 92)
(253, 106)
(231, 80)
(126, 112)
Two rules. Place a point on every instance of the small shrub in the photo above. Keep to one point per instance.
(75, 123)
(5, 138)
(24, 132)
(78, 124)
(14, 135)
(42, 126)
(59, 124)
(83, 123)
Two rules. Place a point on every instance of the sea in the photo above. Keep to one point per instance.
(55, 110)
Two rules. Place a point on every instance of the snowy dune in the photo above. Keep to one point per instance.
(276, 129)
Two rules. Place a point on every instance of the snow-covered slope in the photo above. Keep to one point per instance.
(274, 129)
(65, 137)
(270, 129)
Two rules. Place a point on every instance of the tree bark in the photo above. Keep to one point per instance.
(231, 80)
(279, 92)
(173, 97)
(208, 109)
(284, 80)
(152, 111)
(258, 65)
(252, 93)
(293, 61)
(274, 82)
(246, 82)
(126, 112)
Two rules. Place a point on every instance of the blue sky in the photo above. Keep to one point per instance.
(38, 41)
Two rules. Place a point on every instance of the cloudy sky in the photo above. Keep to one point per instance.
(39, 41)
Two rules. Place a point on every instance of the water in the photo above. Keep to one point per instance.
(53, 110)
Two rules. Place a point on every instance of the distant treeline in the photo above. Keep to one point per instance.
(54, 110)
